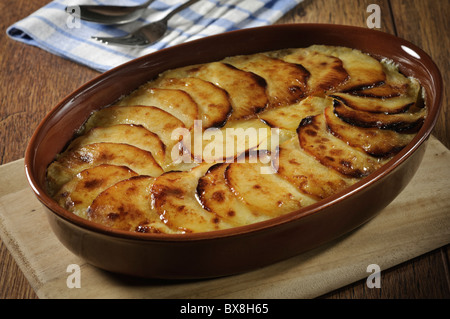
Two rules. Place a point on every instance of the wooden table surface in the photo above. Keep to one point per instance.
(33, 81)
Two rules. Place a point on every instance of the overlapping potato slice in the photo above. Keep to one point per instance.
(326, 71)
(286, 82)
(267, 194)
(308, 174)
(382, 91)
(396, 84)
(213, 102)
(332, 152)
(409, 122)
(391, 105)
(363, 70)
(135, 135)
(216, 196)
(173, 101)
(127, 206)
(175, 201)
(289, 117)
(246, 90)
(279, 131)
(77, 195)
(71, 163)
(152, 118)
(227, 143)
(234, 139)
(375, 142)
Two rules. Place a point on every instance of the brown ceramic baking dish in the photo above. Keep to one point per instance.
(231, 251)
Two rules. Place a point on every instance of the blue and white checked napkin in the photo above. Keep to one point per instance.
(53, 29)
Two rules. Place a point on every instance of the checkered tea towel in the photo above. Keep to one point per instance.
(53, 29)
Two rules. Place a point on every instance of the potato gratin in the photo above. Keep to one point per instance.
(237, 141)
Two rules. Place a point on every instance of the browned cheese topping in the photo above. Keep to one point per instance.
(233, 142)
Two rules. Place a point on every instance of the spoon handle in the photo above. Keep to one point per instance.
(146, 4)
(178, 9)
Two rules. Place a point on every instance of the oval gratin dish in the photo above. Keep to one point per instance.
(243, 248)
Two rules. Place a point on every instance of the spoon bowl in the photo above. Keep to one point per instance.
(104, 14)
(147, 34)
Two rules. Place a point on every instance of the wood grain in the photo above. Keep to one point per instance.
(339, 12)
(33, 81)
(426, 24)
(413, 279)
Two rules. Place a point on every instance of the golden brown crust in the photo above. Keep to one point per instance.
(279, 131)
(332, 152)
(373, 141)
(408, 122)
(286, 82)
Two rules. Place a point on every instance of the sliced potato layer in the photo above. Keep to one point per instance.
(152, 118)
(266, 194)
(71, 163)
(213, 103)
(247, 91)
(135, 135)
(77, 195)
(402, 122)
(363, 70)
(289, 117)
(173, 101)
(127, 206)
(376, 142)
(326, 71)
(286, 82)
(216, 196)
(396, 84)
(234, 139)
(307, 174)
(237, 141)
(175, 201)
(388, 105)
(332, 152)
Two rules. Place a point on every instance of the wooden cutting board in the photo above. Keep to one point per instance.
(417, 221)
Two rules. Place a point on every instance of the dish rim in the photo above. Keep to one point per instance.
(421, 136)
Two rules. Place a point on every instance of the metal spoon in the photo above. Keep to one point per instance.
(108, 14)
(147, 34)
